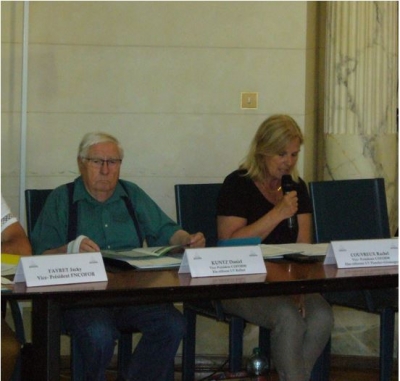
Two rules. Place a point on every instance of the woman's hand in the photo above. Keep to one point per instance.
(289, 205)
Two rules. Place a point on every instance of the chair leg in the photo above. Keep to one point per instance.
(386, 344)
(322, 366)
(18, 322)
(20, 334)
(124, 351)
(77, 365)
(264, 343)
(236, 329)
(17, 374)
(189, 346)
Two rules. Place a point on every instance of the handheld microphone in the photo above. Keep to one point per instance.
(287, 186)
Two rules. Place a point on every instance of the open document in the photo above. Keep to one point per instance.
(147, 257)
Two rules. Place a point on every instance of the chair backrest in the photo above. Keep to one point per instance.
(349, 210)
(34, 202)
(196, 209)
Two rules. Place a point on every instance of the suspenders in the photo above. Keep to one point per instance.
(73, 213)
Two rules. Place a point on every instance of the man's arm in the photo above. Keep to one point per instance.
(81, 244)
(15, 241)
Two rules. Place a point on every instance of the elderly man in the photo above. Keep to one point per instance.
(99, 211)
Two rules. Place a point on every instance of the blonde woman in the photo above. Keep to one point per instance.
(251, 203)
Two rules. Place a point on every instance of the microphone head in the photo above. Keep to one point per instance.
(287, 184)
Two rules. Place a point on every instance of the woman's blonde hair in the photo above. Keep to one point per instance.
(271, 138)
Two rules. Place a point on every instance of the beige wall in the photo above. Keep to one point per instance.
(163, 77)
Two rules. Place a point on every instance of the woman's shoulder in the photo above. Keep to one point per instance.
(237, 183)
(302, 189)
(239, 175)
(301, 184)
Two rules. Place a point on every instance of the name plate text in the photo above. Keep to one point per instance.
(363, 253)
(220, 261)
(46, 270)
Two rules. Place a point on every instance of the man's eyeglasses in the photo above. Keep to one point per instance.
(98, 163)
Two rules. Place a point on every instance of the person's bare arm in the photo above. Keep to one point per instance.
(15, 241)
(305, 228)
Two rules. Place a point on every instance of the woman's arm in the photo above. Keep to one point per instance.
(305, 228)
(15, 241)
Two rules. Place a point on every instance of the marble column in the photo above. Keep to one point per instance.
(360, 126)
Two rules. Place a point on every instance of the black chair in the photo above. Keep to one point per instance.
(196, 211)
(350, 210)
(34, 202)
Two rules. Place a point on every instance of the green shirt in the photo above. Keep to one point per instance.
(106, 223)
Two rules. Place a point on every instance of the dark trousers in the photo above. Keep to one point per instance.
(97, 329)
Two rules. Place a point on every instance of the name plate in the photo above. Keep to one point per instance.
(47, 270)
(363, 253)
(220, 261)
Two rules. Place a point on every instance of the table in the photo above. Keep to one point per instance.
(146, 287)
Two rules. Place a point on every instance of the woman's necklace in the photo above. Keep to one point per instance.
(272, 195)
(268, 188)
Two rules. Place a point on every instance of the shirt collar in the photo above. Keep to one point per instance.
(80, 192)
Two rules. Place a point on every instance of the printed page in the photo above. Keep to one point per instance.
(141, 252)
(309, 249)
(155, 263)
(276, 251)
(149, 262)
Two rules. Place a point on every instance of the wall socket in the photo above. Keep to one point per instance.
(249, 100)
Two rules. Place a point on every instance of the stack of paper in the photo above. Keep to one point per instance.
(278, 251)
(9, 263)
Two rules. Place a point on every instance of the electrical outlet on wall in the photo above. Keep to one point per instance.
(249, 100)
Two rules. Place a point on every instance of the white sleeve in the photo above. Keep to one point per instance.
(7, 218)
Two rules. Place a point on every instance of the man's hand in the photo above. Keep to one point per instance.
(183, 238)
(197, 240)
(82, 244)
(88, 246)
